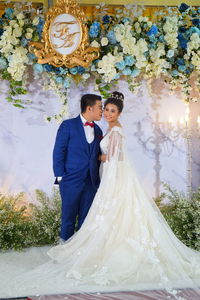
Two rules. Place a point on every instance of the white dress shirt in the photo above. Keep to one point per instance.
(89, 131)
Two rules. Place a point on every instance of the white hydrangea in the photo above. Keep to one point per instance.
(194, 43)
(123, 32)
(17, 63)
(20, 16)
(106, 66)
(171, 29)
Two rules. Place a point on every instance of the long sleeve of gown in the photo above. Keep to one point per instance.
(115, 146)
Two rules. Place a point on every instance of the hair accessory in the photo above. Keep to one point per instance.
(117, 96)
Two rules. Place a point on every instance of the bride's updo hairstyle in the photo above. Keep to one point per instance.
(117, 99)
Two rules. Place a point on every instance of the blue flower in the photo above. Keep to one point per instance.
(38, 68)
(111, 37)
(73, 71)
(129, 60)
(183, 7)
(1, 31)
(31, 56)
(182, 68)
(62, 71)
(175, 73)
(9, 13)
(120, 65)
(24, 42)
(180, 62)
(40, 26)
(48, 68)
(194, 30)
(80, 70)
(170, 53)
(153, 30)
(127, 71)
(67, 82)
(196, 22)
(94, 29)
(106, 19)
(1, 21)
(117, 76)
(126, 20)
(3, 63)
(59, 80)
(198, 10)
(182, 41)
(161, 38)
(135, 72)
(182, 29)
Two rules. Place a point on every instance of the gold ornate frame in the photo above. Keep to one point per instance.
(83, 55)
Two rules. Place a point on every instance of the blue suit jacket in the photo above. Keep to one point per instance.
(72, 155)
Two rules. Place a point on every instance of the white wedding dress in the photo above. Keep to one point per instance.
(124, 244)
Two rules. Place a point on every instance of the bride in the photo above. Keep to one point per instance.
(124, 244)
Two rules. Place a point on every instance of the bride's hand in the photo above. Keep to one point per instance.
(102, 157)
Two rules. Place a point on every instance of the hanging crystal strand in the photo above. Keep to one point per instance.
(188, 154)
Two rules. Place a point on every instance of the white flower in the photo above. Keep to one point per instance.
(86, 76)
(106, 66)
(20, 16)
(29, 30)
(36, 21)
(17, 32)
(28, 35)
(21, 23)
(104, 41)
(95, 44)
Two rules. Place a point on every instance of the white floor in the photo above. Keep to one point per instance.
(13, 263)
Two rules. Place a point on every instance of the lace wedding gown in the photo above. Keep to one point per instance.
(124, 244)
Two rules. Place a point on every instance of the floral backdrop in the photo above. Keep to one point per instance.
(131, 46)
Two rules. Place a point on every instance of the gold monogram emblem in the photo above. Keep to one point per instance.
(65, 37)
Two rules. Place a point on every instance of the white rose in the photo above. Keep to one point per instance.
(36, 21)
(104, 41)
(28, 35)
(17, 32)
(21, 23)
(95, 44)
(30, 30)
(20, 16)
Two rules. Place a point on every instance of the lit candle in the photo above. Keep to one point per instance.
(181, 122)
(198, 121)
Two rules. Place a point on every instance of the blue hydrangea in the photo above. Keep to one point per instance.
(175, 73)
(40, 26)
(38, 68)
(24, 42)
(180, 62)
(135, 72)
(121, 65)
(182, 41)
(153, 30)
(48, 68)
(182, 29)
(183, 7)
(59, 80)
(129, 60)
(67, 83)
(117, 76)
(111, 37)
(106, 19)
(161, 38)
(94, 30)
(9, 13)
(127, 71)
(73, 71)
(182, 68)
(3, 63)
(31, 56)
(196, 22)
(194, 30)
(62, 71)
(170, 53)
(80, 70)
(126, 20)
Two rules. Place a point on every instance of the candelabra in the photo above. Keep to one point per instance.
(164, 138)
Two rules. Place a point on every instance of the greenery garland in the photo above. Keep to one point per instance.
(131, 45)
(37, 225)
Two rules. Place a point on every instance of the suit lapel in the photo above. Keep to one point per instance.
(82, 133)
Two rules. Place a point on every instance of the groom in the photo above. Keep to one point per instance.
(75, 163)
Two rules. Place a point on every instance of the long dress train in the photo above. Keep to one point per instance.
(124, 243)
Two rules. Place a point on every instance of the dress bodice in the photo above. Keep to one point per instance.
(105, 141)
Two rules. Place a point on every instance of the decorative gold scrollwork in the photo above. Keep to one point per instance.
(65, 37)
